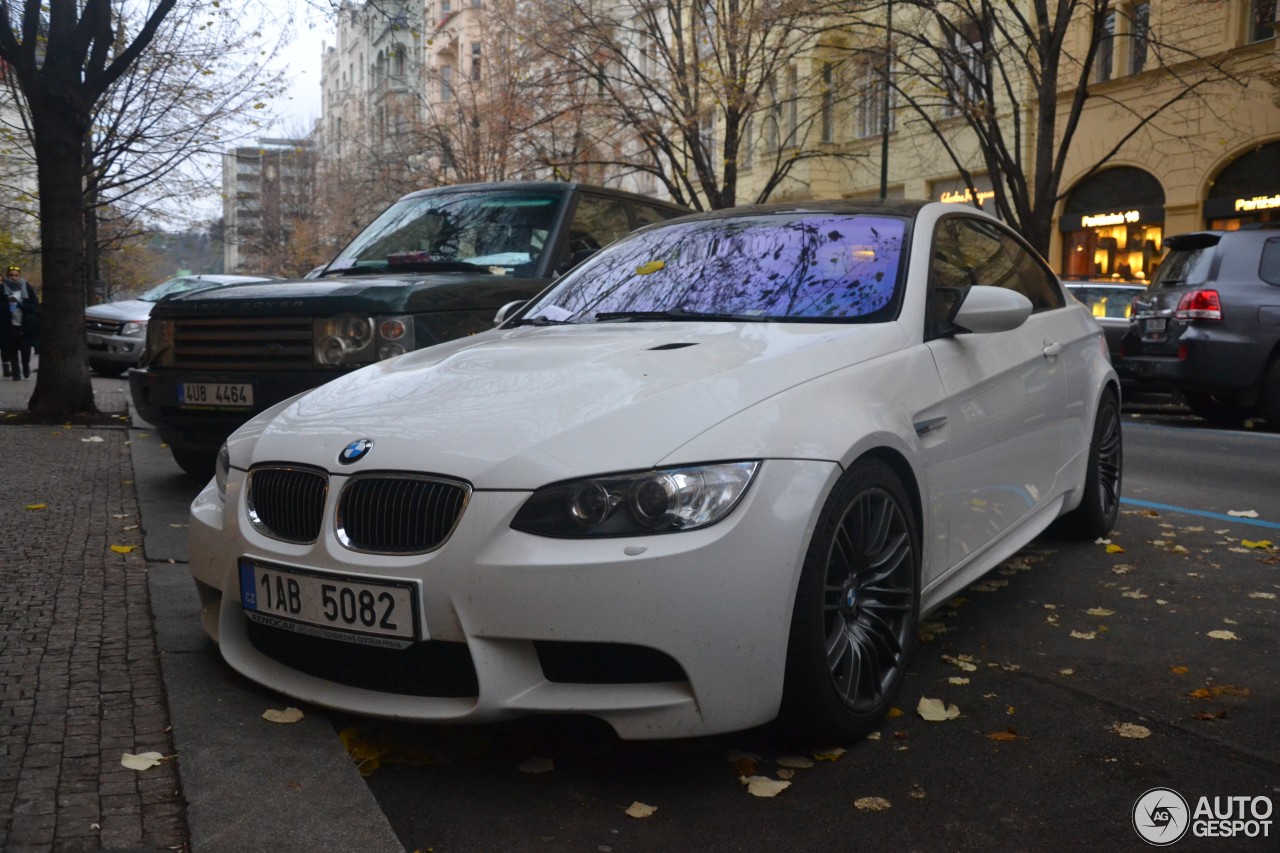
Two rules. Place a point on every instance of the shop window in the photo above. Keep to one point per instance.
(1127, 252)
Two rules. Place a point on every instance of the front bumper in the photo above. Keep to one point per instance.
(716, 601)
(114, 349)
(204, 428)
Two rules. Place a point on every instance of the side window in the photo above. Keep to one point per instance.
(970, 251)
(647, 214)
(597, 222)
(1269, 268)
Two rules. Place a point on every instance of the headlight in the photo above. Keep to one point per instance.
(660, 501)
(221, 469)
(347, 341)
(135, 329)
(159, 343)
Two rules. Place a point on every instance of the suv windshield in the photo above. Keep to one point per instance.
(773, 267)
(173, 287)
(503, 232)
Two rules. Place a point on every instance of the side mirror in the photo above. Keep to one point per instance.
(507, 311)
(991, 309)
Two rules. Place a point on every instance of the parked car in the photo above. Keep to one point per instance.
(436, 265)
(116, 331)
(713, 475)
(1110, 305)
(1209, 326)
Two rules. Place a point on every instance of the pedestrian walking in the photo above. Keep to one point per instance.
(18, 324)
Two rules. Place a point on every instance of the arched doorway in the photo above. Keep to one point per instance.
(1113, 227)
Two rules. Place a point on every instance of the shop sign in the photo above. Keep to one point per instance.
(1258, 202)
(1102, 220)
(965, 197)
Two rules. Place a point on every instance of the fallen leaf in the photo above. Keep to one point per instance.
(1135, 593)
(894, 713)
(871, 804)
(1100, 611)
(537, 765)
(1085, 635)
(92, 438)
(1051, 607)
(141, 761)
(917, 794)
(1179, 670)
(1199, 693)
(873, 736)
(639, 809)
(1242, 513)
(745, 766)
(1209, 715)
(35, 507)
(123, 549)
(963, 662)
(1006, 735)
(1122, 569)
(1131, 730)
(763, 786)
(650, 267)
(1149, 513)
(798, 762)
(1267, 595)
(786, 773)
(288, 715)
(935, 710)
(131, 527)
(832, 754)
(1066, 673)
(1178, 549)
(1230, 690)
(1114, 549)
(1223, 635)
(1260, 543)
(957, 680)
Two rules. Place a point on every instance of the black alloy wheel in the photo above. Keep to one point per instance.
(856, 608)
(1100, 504)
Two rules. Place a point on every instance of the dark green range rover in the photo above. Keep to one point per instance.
(438, 264)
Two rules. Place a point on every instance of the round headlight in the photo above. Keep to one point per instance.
(386, 351)
(590, 505)
(359, 330)
(655, 501)
(331, 350)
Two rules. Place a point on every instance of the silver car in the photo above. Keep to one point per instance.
(117, 331)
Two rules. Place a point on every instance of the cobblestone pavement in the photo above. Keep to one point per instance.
(80, 680)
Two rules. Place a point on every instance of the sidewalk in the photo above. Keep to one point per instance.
(101, 654)
(79, 673)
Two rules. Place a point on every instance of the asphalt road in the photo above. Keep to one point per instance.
(1050, 662)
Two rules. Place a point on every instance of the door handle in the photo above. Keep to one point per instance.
(1052, 349)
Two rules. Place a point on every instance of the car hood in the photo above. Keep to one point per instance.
(516, 409)
(446, 291)
(126, 310)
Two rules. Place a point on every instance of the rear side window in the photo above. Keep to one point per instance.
(1184, 266)
(1269, 268)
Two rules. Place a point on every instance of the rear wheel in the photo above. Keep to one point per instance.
(1213, 409)
(856, 609)
(1101, 502)
(107, 368)
(1271, 396)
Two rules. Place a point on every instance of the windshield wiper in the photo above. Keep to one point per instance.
(538, 321)
(681, 315)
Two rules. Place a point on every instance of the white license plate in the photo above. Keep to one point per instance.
(217, 394)
(1154, 327)
(383, 613)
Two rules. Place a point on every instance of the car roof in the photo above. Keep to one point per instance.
(557, 187)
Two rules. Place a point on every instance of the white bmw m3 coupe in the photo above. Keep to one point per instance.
(711, 478)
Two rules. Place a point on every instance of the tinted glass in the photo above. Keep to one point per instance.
(507, 230)
(971, 251)
(792, 266)
(1184, 266)
(1269, 268)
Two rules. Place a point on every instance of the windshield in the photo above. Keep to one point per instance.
(174, 286)
(1187, 266)
(503, 232)
(773, 267)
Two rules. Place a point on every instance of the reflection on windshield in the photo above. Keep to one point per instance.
(171, 287)
(790, 266)
(502, 231)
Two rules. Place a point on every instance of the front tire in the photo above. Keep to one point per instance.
(1214, 409)
(856, 608)
(107, 368)
(198, 465)
(1100, 505)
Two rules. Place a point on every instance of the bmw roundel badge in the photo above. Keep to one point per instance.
(355, 451)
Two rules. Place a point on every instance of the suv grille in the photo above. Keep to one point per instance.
(102, 327)
(287, 503)
(398, 513)
(242, 343)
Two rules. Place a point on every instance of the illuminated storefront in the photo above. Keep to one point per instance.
(1113, 227)
(1246, 191)
(956, 192)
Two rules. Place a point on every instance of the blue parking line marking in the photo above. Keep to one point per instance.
(1256, 522)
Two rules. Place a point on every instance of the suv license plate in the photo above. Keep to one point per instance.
(332, 606)
(228, 395)
(1154, 328)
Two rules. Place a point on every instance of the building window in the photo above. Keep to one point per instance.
(793, 106)
(475, 60)
(827, 106)
(1106, 49)
(773, 117)
(446, 83)
(968, 69)
(868, 119)
(1262, 20)
(1140, 36)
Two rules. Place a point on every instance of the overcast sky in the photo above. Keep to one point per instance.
(299, 108)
